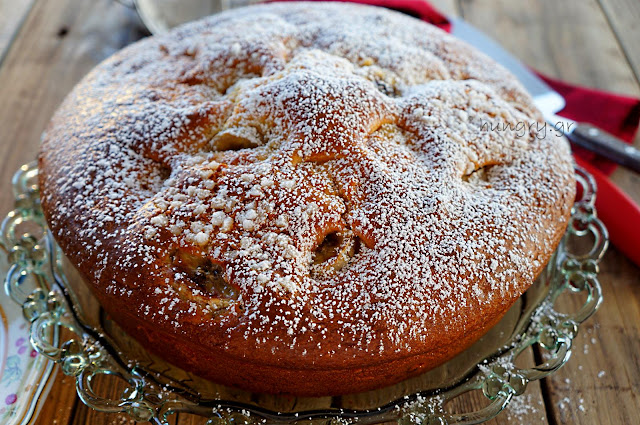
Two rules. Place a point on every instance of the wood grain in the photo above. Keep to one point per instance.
(448, 7)
(60, 41)
(560, 38)
(601, 382)
(11, 18)
(624, 18)
(61, 402)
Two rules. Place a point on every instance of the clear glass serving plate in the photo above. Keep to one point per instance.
(56, 302)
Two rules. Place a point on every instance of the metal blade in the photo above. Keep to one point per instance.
(547, 100)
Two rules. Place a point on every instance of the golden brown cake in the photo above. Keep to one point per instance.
(305, 198)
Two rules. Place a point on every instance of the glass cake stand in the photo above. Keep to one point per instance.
(56, 302)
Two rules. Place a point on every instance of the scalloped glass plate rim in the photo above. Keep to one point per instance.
(50, 305)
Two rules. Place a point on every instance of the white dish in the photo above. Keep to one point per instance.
(25, 375)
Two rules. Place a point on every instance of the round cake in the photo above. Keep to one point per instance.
(278, 197)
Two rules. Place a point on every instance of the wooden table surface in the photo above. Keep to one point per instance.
(46, 46)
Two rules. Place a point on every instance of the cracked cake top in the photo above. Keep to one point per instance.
(305, 187)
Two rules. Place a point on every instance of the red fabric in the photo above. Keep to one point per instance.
(616, 114)
(618, 212)
(416, 8)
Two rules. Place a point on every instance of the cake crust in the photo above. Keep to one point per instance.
(288, 194)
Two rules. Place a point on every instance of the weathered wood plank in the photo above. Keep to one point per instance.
(601, 382)
(60, 404)
(449, 7)
(568, 40)
(12, 14)
(60, 41)
(624, 16)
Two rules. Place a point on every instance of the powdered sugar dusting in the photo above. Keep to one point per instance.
(215, 163)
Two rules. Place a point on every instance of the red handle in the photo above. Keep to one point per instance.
(618, 212)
